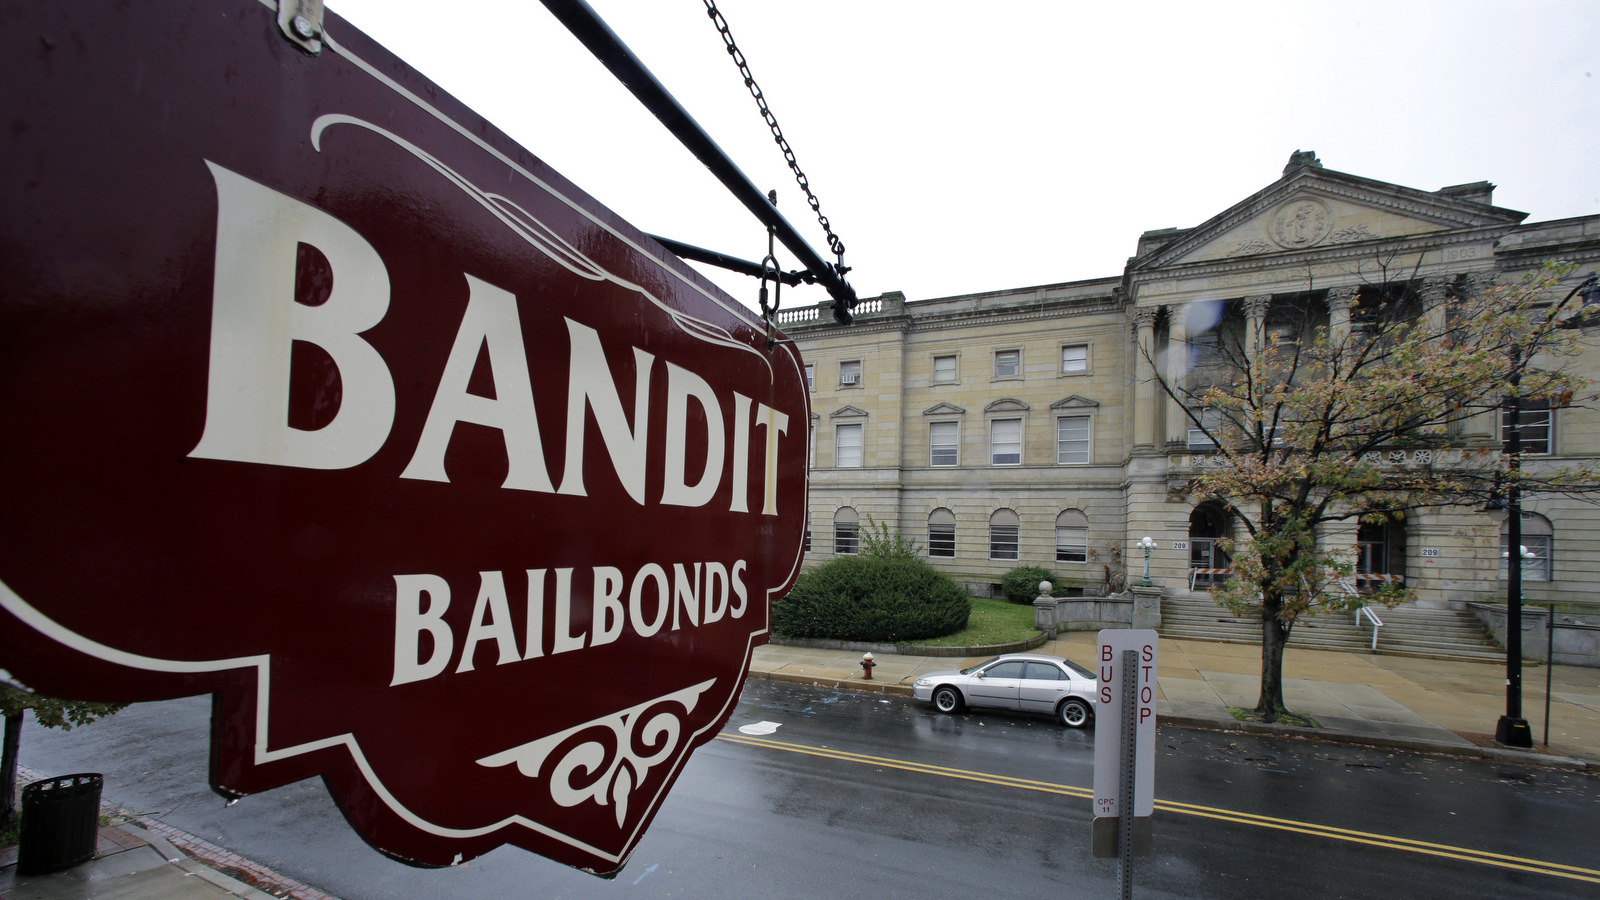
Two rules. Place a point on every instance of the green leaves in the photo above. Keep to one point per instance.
(51, 712)
(879, 542)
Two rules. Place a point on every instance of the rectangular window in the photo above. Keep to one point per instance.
(844, 538)
(1212, 420)
(1072, 440)
(1536, 567)
(944, 444)
(847, 446)
(1205, 350)
(1074, 359)
(944, 369)
(811, 376)
(850, 374)
(1005, 442)
(942, 540)
(807, 547)
(1072, 544)
(1003, 541)
(1008, 363)
(1534, 429)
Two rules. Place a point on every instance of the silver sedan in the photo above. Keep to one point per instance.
(1024, 681)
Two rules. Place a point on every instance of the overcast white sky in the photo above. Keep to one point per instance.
(962, 147)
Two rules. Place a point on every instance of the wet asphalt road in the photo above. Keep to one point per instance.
(862, 796)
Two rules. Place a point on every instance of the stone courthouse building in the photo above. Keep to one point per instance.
(1023, 426)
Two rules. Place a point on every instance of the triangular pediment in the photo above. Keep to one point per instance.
(944, 409)
(1313, 208)
(848, 412)
(1075, 402)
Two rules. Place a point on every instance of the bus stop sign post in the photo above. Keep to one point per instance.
(1124, 769)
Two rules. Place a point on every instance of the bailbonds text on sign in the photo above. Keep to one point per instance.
(322, 395)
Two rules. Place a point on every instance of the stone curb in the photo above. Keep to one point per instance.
(866, 687)
(207, 855)
(1369, 739)
(914, 649)
(194, 867)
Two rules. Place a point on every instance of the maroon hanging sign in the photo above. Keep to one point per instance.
(320, 394)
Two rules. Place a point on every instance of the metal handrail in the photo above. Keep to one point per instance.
(1376, 623)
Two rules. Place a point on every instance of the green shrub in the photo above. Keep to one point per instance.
(890, 599)
(877, 540)
(1021, 585)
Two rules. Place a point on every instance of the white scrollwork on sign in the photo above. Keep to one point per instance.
(537, 234)
(606, 760)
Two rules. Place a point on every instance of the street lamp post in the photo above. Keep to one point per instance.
(1146, 544)
(1512, 729)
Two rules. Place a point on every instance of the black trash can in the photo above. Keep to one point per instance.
(60, 823)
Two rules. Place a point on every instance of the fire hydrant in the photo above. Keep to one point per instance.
(866, 666)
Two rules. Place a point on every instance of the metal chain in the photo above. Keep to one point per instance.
(834, 244)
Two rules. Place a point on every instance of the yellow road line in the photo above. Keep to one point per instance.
(1447, 851)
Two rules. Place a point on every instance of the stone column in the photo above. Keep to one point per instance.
(1340, 299)
(1435, 309)
(1255, 316)
(1146, 413)
(1483, 428)
(1177, 376)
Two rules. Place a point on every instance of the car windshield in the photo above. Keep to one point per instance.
(970, 669)
(1078, 670)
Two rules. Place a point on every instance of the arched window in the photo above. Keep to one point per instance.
(942, 533)
(845, 539)
(1538, 538)
(1005, 529)
(1072, 536)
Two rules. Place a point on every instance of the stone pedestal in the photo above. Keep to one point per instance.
(1044, 610)
(1147, 607)
(1044, 614)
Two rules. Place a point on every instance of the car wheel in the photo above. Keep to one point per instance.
(1073, 713)
(947, 699)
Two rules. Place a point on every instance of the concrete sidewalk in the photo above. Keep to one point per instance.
(148, 860)
(1420, 704)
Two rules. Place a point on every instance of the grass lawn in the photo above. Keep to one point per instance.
(991, 622)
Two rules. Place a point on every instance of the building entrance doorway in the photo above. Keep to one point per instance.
(1380, 555)
(1208, 563)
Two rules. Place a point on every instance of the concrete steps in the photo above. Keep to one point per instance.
(1406, 631)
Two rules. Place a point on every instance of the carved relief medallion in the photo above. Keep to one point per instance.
(1299, 224)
